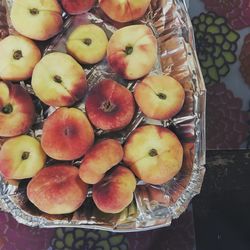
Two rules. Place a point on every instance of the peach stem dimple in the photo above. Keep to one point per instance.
(87, 41)
(107, 106)
(34, 11)
(17, 55)
(129, 50)
(162, 96)
(25, 155)
(7, 109)
(153, 152)
(57, 79)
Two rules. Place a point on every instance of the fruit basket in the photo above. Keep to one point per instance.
(110, 127)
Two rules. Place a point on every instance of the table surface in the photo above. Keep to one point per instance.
(222, 31)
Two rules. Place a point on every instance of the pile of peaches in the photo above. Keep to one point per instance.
(151, 153)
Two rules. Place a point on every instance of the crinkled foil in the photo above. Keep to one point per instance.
(153, 206)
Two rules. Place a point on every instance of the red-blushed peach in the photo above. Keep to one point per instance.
(125, 10)
(17, 111)
(87, 44)
(132, 51)
(67, 134)
(110, 106)
(115, 191)
(21, 157)
(76, 7)
(38, 20)
(19, 55)
(58, 80)
(154, 154)
(159, 97)
(99, 159)
(57, 189)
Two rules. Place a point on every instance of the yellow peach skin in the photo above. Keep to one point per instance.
(38, 20)
(21, 157)
(57, 189)
(17, 111)
(159, 97)
(58, 80)
(154, 154)
(19, 55)
(67, 134)
(124, 10)
(115, 191)
(99, 159)
(87, 44)
(132, 51)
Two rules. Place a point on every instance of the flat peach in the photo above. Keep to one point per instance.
(76, 7)
(67, 134)
(17, 110)
(159, 97)
(126, 10)
(87, 44)
(115, 191)
(38, 20)
(110, 106)
(154, 154)
(99, 159)
(132, 51)
(58, 80)
(19, 55)
(21, 157)
(57, 189)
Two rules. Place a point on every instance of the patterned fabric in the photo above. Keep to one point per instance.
(222, 32)
(237, 12)
(216, 46)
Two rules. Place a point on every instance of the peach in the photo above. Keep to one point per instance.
(110, 106)
(21, 157)
(38, 20)
(57, 189)
(19, 55)
(87, 44)
(67, 134)
(76, 7)
(99, 159)
(115, 191)
(132, 51)
(58, 80)
(125, 10)
(154, 154)
(17, 110)
(159, 97)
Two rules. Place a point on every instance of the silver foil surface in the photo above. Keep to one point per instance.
(153, 206)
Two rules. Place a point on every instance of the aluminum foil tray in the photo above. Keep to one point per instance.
(153, 206)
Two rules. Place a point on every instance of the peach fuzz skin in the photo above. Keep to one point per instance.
(67, 134)
(110, 106)
(99, 159)
(17, 111)
(115, 191)
(132, 51)
(19, 55)
(159, 97)
(38, 20)
(76, 7)
(57, 189)
(154, 154)
(21, 157)
(59, 80)
(124, 11)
